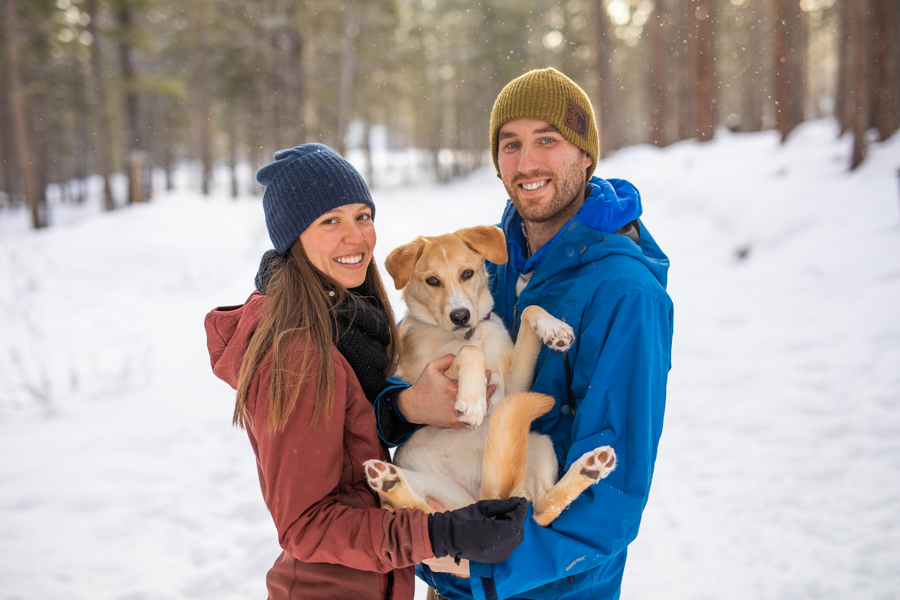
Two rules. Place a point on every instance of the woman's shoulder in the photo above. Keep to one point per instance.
(228, 331)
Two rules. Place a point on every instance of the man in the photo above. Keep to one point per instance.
(577, 249)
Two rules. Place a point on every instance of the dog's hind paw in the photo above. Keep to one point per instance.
(554, 333)
(382, 477)
(392, 487)
(597, 464)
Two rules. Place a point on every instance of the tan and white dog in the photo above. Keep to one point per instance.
(445, 288)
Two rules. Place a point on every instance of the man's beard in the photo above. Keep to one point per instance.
(568, 185)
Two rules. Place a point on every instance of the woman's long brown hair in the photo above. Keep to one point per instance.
(296, 327)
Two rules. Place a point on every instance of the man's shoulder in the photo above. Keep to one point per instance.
(614, 275)
(621, 272)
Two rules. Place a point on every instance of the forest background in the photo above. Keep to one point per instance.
(95, 88)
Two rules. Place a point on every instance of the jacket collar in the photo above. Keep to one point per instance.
(609, 206)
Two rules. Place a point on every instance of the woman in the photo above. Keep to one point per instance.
(307, 358)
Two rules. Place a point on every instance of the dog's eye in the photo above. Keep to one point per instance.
(433, 281)
(467, 274)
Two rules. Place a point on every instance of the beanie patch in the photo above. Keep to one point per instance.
(576, 119)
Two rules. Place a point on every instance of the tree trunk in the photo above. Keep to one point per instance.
(658, 74)
(705, 16)
(204, 107)
(296, 74)
(799, 65)
(683, 45)
(369, 174)
(844, 78)
(348, 59)
(603, 100)
(858, 99)
(789, 37)
(885, 85)
(278, 93)
(133, 141)
(257, 156)
(781, 34)
(12, 181)
(98, 103)
(753, 79)
(232, 150)
(893, 11)
(22, 142)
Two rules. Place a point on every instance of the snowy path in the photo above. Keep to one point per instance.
(779, 468)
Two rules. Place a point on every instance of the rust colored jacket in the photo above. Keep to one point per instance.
(337, 542)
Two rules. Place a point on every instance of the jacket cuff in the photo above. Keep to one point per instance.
(393, 429)
(427, 534)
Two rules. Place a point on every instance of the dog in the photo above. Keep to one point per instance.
(445, 286)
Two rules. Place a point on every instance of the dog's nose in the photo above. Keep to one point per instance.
(460, 316)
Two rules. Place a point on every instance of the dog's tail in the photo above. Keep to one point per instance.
(503, 466)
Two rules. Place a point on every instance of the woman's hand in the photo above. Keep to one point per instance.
(432, 399)
(446, 564)
(487, 531)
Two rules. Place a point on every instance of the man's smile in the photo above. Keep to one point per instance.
(534, 185)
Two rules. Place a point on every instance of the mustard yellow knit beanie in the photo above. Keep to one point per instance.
(549, 95)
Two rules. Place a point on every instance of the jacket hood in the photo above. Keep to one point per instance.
(228, 331)
(589, 235)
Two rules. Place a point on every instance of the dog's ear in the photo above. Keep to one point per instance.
(486, 240)
(401, 261)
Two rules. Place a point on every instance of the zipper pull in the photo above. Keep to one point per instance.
(515, 322)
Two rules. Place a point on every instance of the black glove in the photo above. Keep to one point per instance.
(486, 532)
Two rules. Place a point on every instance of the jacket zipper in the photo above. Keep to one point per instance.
(515, 322)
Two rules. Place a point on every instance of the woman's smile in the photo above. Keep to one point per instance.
(353, 259)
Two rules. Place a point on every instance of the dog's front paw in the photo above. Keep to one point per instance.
(471, 411)
(597, 464)
(554, 333)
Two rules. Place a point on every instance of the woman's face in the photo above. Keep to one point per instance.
(340, 243)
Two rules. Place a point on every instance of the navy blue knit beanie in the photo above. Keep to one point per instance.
(303, 184)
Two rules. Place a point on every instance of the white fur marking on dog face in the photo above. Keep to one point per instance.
(456, 299)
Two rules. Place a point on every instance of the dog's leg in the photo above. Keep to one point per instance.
(506, 449)
(471, 399)
(538, 327)
(392, 487)
(584, 472)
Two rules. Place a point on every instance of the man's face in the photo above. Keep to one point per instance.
(544, 173)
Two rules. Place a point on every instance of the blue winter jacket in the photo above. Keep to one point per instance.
(612, 292)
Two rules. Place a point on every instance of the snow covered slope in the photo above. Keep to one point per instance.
(779, 468)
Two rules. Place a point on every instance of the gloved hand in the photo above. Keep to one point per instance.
(486, 532)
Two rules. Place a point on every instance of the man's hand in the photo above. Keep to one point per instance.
(432, 399)
(448, 565)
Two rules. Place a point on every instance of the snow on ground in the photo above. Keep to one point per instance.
(779, 469)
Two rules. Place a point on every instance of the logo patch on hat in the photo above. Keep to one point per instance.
(576, 119)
